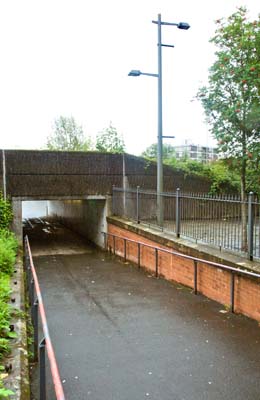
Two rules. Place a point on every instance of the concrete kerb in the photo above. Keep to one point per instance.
(18, 375)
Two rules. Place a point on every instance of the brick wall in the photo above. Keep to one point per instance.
(211, 282)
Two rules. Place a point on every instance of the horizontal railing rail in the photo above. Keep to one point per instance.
(36, 303)
(196, 262)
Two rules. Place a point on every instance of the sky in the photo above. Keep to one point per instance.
(72, 58)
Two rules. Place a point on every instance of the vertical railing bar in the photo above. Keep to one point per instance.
(42, 370)
(114, 244)
(105, 240)
(232, 291)
(139, 255)
(31, 292)
(156, 263)
(28, 278)
(195, 277)
(35, 328)
(222, 224)
(124, 250)
(178, 212)
(137, 205)
(250, 227)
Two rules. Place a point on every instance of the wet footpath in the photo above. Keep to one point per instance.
(121, 334)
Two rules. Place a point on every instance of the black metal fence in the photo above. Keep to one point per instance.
(215, 220)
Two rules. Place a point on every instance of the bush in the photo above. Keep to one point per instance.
(6, 214)
(8, 248)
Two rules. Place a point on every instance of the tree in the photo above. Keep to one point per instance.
(68, 136)
(110, 141)
(151, 151)
(232, 98)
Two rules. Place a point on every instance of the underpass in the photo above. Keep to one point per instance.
(119, 333)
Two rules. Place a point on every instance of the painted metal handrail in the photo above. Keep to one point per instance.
(233, 271)
(37, 303)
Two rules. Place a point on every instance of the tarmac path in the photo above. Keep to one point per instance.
(121, 334)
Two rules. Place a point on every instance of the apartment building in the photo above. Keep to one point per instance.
(196, 152)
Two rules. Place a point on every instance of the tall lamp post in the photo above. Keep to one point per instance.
(180, 25)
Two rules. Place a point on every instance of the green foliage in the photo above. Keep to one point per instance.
(223, 178)
(5, 393)
(232, 98)
(110, 141)
(68, 136)
(8, 249)
(6, 214)
(151, 151)
(5, 314)
(5, 318)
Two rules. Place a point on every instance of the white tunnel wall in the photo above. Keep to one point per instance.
(86, 217)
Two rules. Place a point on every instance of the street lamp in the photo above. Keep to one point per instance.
(136, 72)
(180, 25)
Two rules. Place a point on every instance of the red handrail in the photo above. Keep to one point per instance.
(175, 253)
(53, 364)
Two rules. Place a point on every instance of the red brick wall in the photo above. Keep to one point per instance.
(212, 282)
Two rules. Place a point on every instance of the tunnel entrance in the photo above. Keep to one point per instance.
(85, 217)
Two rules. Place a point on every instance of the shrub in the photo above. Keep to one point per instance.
(8, 249)
(6, 214)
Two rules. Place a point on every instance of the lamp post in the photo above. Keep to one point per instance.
(180, 25)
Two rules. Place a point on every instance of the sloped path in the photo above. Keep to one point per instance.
(120, 334)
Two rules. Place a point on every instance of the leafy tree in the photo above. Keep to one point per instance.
(232, 98)
(110, 141)
(151, 151)
(68, 136)
(222, 177)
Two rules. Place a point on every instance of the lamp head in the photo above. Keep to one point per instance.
(183, 25)
(134, 72)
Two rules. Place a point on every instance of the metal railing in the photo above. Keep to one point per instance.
(36, 303)
(196, 262)
(215, 220)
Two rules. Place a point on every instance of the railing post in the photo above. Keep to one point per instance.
(114, 244)
(31, 292)
(124, 250)
(137, 205)
(28, 270)
(178, 221)
(250, 232)
(232, 292)
(195, 277)
(156, 263)
(105, 240)
(139, 255)
(35, 327)
(42, 370)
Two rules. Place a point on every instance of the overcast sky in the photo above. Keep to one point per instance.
(72, 57)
